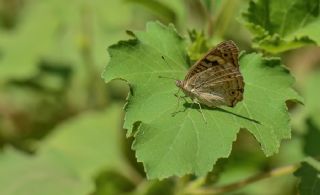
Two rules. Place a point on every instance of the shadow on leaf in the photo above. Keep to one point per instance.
(188, 105)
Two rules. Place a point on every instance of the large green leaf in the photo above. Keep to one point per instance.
(309, 174)
(278, 26)
(184, 143)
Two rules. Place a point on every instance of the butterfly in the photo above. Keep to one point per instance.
(215, 79)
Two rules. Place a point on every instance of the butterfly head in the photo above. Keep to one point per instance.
(179, 83)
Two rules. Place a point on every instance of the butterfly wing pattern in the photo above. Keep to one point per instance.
(215, 79)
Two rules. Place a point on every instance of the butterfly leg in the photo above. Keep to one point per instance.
(204, 118)
(178, 104)
(177, 93)
(179, 98)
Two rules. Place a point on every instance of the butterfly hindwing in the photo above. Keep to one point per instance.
(228, 84)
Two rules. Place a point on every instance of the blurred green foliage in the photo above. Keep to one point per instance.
(309, 174)
(61, 125)
(283, 25)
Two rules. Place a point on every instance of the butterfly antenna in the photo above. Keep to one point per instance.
(168, 65)
(162, 77)
(163, 58)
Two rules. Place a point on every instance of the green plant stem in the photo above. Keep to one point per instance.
(224, 17)
(95, 86)
(132, 175)
(210, 20)
(182, 184)
(240, 184)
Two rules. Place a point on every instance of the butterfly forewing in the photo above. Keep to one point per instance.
(225, 53)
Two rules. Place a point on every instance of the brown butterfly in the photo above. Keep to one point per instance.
(215, 79)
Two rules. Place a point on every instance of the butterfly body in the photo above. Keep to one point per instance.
(215, 79)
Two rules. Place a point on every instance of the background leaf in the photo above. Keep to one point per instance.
(309, 173)
(111, 182)
(311, 139)
(278, 26)
(69, 159)
(312, 95)
(20, 51)
(159, 8)
(91, 133)
(185, 143)
(311, 114)
(22, 174)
